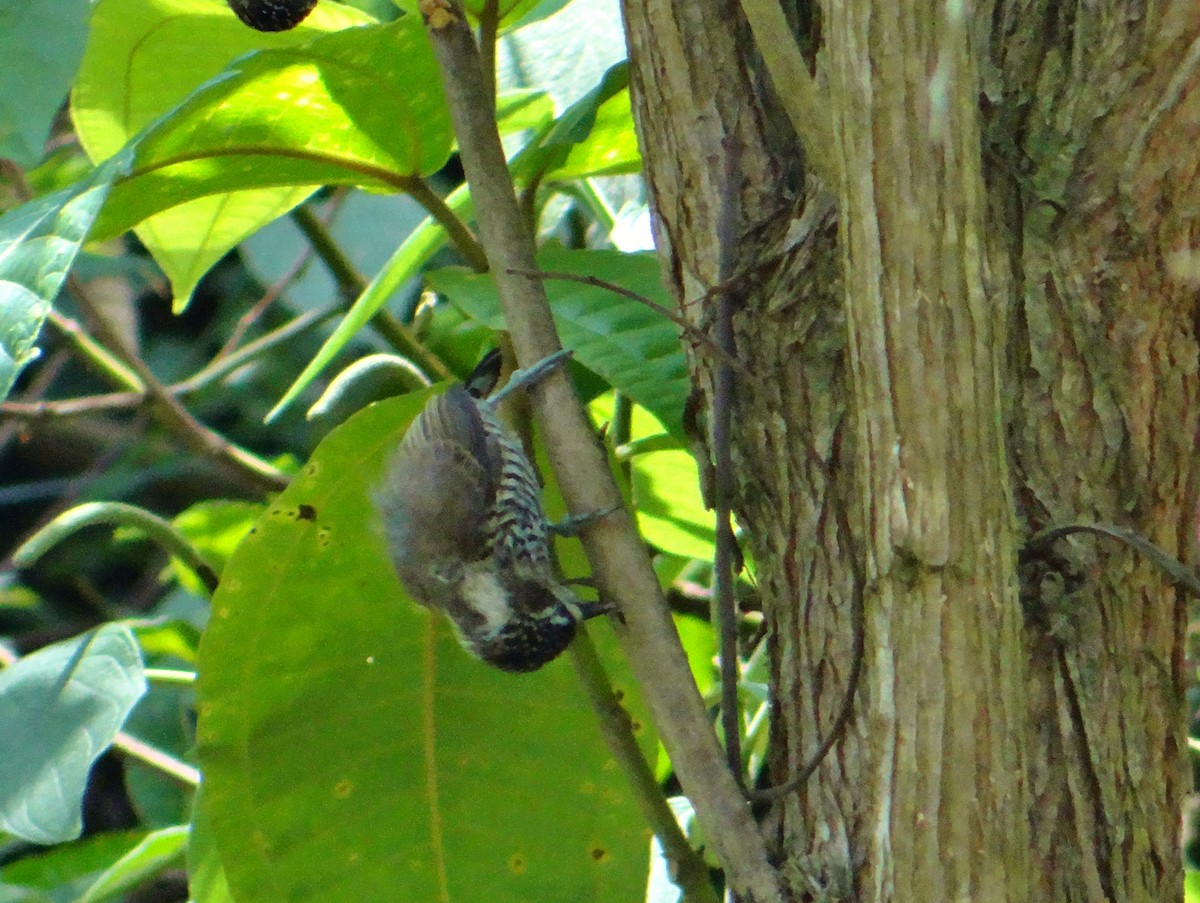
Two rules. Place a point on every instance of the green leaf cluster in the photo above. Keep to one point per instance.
(348, 747)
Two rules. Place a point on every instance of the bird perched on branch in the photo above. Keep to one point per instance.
(462, 511)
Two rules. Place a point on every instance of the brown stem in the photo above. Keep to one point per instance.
(244, 466)
(618, 558)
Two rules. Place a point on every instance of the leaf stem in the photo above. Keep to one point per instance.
(157, 529)
(181, 771)
(170, 676)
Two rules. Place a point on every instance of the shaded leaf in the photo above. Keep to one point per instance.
(341, 724)
(633, 347)
(63, 872)
(59, 710)
(41, 43)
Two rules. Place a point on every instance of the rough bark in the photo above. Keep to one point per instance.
(992, 334)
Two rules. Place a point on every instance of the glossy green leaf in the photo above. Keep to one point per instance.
(144, 58)
(349, 744)
(552, 147)
(157, 851)
(41, 43)
(633, 347)
(59, 710)
(361, 106)
(64, 872)
(38, 244)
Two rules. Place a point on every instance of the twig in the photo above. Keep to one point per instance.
(1179, 573)
(247, 467)
(170, 676)
(218, 367)
(157, 530)
(350, 282)
(675, 317)
(489, 27)
(38, 386)
(94, 355)
(689, 871)
(246, 320)
(724, 603)
(181, 771)
(460, 236)
(618, 557)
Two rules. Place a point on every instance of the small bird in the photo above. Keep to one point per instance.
(466, 531)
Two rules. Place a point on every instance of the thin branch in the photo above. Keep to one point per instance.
(181, 771)
(619, 561)
(489, 29)
(688, 869)
(1178, 572)
(350, 282)
(172, 415)
(94, 355)
(218, 367)
(675, 317)
(157, 529)
(724, 603)
(460, 235)
(225, 363)
(170, 676)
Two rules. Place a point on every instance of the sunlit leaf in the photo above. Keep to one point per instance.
(38, 244)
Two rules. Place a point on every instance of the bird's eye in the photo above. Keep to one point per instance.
(272, 15)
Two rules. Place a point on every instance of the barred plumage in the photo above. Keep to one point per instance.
(462, 511)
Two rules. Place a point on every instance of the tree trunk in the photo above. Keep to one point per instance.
(982, 325)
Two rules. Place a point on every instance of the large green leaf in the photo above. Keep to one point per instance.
(632, 346)
(38, 244)
(349, 744)
(59, 710)
(589, 138)
(41, 43)
(305, 108)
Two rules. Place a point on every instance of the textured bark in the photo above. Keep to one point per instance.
(993, 334)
